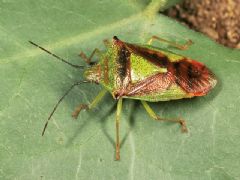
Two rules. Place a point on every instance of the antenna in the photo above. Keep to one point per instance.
(54, 55)
(59, 101)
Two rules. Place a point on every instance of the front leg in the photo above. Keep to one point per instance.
(96, 51)
(89, 59)
(93, 104)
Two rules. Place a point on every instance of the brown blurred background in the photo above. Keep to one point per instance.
(219, 19)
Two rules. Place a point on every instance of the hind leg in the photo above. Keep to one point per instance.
(176, 45)
(156, 117)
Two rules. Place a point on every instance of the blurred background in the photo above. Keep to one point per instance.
(218, 19)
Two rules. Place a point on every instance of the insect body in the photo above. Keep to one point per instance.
(145, 73)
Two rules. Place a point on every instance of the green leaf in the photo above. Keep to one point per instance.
(32, 82)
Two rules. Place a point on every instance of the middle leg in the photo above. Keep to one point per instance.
(119, 109)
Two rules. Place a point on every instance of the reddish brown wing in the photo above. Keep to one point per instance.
(159, 82)
(193, 77)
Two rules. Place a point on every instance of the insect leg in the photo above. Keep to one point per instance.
(88, 59)
(119, 109)
(179, 46)
(156, 117)
(93, 104)
(107, 43)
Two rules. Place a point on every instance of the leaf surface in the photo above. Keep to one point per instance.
(32, 82)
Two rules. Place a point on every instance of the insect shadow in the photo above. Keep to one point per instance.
(101, 117)
(103, 124)
(133, 105)
(81, 121)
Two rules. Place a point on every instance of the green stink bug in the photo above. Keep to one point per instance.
(145, 73)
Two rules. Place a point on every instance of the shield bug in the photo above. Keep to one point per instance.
(142, 72)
